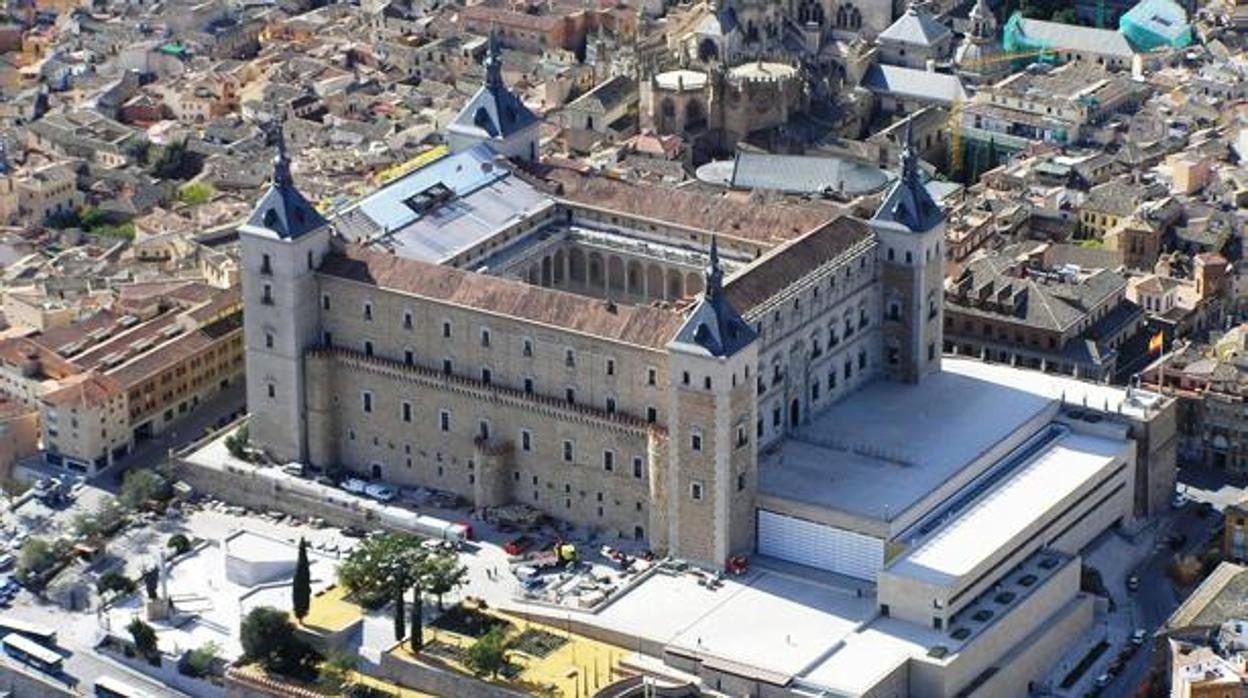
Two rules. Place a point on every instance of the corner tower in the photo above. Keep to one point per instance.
(283, 242)
(495, 116)
(911, 230)
(712, 473)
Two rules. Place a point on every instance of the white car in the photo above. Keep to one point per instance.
(382, 493)
(354, 486)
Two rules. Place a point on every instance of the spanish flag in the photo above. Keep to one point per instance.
(1155, 343)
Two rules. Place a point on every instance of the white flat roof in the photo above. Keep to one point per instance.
(871, 653)
(881, 450)
(772, 621)
(1110, 398)
(960, 546)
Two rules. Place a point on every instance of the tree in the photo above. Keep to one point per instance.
(418, 621)
(201, 660)
(301, 588)
(35, 557)
(151, 582)
(442, 574)
(488, 655)
(385, 567)
(236, 443)
(268, 637)
(116, 582)
(196, 193)
(142, 486)
(144, 637)
(337, 673)
(179, 543)
(172, 161)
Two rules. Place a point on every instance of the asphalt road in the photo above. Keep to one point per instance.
(1156, 598)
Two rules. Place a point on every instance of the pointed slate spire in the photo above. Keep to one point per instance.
(493, 62)
(910, 159)
(714, 272)
(281, 160)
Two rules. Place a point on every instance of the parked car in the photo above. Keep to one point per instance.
(1103, 680)
(295, 469)
(518, 545)
(354, 485)
(1133, 583)
(354, 532)
(1138, 637)
(380, 492)
(1178, 501)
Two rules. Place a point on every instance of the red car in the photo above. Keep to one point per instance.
(517, 545)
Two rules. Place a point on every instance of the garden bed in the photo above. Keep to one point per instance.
(469, 622)
(538, 643)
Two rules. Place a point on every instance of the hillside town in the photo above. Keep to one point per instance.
(632, 348)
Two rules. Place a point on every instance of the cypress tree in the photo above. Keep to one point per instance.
(301, 588)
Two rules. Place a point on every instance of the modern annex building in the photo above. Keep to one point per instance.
(706, 375)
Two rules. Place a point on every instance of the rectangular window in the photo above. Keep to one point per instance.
(327, 338)
(266, 265)
(652, 376)
(446, 330)
(325, 301)
(695, 442)
(368, 311)
(569, 358)
(407, 319)
(637, 467)
(272, 390)
(483, 430)
(446, 367)
(486, 376)
(368, 402)
(862, 360)
(740, 482)
(652, 415)
(267, 298)
(444, 420)
(695, 490)
(485, 337)
(528, 386)
(568, 454)
(528, 347)
(608, 461)
(610, 367)
(409, 358)
(526, 441)
(268, 340)
(407, 411)
(569, 394)
(368, 348)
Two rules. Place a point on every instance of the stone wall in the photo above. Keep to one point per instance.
(439, 682)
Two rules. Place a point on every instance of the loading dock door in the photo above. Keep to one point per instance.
(819, 545)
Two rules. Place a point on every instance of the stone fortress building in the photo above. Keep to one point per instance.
(705, 375)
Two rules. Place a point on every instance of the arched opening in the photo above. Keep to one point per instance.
(639, 533)
(675, 285)
(576, 265)
(595, 270)
(376, 471)
(654, 281)
(633, 282)
(693, 283)
(559, 267)
(547, 272)
(694, 114)
(795, 413)
(615, 273)
(708, 51)
(534, 275)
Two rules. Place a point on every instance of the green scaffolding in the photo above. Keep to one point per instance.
(1155, 24)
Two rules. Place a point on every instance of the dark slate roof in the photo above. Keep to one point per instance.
(714, 327)
(494, 110)
(908, 202)
(283, 209)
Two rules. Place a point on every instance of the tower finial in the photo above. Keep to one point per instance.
(714, 270)
(493, 61)
(910, 158)
(281, 161)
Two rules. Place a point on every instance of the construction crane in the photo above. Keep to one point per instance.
(955, 108)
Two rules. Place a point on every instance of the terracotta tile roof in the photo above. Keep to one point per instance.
(733, 216)
(643, 326)
(786, 265)
(89, 388)
(18, 351)
(173, 352)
